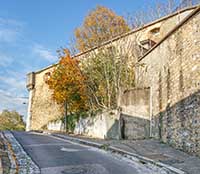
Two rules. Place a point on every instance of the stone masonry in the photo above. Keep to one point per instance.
(43, 109)
(172, 71)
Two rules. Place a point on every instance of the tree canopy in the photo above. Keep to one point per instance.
(67, 83)
(108, 73)
(100, 25)
(11, 120)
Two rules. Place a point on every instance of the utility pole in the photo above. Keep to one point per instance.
(65, 115)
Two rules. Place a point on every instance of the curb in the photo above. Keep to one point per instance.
(24, 162)
(1, 167)
(126, 154)
(13, 161)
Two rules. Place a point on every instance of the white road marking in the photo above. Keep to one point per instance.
(49, 144)
(71, 142)
(62, 139)
(69, 149)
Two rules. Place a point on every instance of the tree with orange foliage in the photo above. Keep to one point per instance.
(100, 25)
(67, 83)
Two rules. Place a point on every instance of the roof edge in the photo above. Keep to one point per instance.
(47, 67)
(136, 30)
(196, 11)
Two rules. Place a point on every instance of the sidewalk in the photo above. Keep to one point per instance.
(149, 149)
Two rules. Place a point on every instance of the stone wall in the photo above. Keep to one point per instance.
(172, 71)
(43, 108)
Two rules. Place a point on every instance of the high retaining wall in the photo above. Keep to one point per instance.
(132, 122)
(56, 125)
(43, 109)
(172, 71)
(135, 113)
(104, 125)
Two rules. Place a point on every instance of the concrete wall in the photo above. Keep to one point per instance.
(134, 128)
(136, 102)
(56, 126)
(104, 125)
(133, 121)
(135, 117)
(172, 70)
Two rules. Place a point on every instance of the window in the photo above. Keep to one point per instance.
(155, 31)
(46, 76)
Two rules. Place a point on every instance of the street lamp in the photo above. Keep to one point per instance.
(65, 115)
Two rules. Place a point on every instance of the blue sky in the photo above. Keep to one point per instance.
(32, 30)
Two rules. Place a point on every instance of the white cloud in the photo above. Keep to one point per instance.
(13, 68)
(12, 77)
(8, 101)
(10, 22)
(8, 35)
(13, 81)
(44, 53)
(5, 60)
(13, 93)
(9, 30)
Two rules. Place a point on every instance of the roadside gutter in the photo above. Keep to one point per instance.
(124, 153)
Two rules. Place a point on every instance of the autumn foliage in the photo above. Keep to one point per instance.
(67, 84)
(100, 25)
(98, 84)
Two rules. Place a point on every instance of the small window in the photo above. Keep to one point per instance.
(46, 77)
(147, 44)
(155, 31)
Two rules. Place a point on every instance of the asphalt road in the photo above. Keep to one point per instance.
(57, 156)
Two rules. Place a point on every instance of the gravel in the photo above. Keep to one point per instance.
(25, 163)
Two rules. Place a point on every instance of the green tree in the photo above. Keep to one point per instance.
(109, 72)
(11, 120)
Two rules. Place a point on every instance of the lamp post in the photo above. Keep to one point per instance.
(65, 115)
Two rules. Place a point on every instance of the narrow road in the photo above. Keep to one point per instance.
(58, 156)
